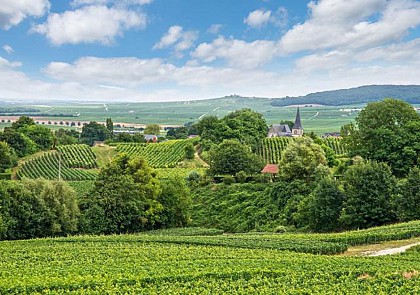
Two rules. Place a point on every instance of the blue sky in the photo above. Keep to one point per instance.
(160, 50)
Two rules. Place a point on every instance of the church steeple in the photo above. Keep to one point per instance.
(297, 130)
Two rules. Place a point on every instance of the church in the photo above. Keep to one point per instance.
(278, 130)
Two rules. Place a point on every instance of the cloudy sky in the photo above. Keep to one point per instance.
(159, 50)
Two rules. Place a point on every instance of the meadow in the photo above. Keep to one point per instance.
(173, 262)
(319, 119)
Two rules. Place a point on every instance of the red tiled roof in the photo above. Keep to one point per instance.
(271, 168)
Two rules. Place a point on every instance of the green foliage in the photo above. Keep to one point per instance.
(177, 133)
(124, 198)
(37, 208)
(246, 126)
(369, 189)
(321, 210)
(271, 149)
(158, 155)
(408, 200)
(235, 207)
(228, 264)
(387, 131)
(22, 144)
(152, 129)
(231, 156)
(189, 151)
(42, 136)
(22, 122)
(72, 158)
(110, 126)
(358, 95)
(92, 132)
(176, 201)
(336, 144)
(300, 160)
(65, 137)
(8, 157)
(184, 231)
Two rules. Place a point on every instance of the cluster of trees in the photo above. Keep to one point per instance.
(126, 197)
(378, 184)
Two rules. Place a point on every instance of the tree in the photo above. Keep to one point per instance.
(386, 131)
(246, 126)
(301, 159)
(408, 201)
(22, 144)
(177, 133)
(189, 151)
(176, 200)
(231, 156)
(123, 200)
(41, 135)
(94, 131)
(7, 157)
(65, 137)
(321, 210)
(22, 122)
(152, 129)
(37, 208)
(369, 188)
(110, 126)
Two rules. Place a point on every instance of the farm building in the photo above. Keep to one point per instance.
(279, 130)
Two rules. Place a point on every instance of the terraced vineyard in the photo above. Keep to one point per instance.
(74, 160)
(336, 144)
(271, 148)
(167, 263)
(158, 155)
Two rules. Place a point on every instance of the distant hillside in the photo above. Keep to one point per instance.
(359, 95)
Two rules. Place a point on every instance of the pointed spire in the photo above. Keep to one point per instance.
(298, 123)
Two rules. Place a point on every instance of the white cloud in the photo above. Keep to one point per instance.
(237, 53)
(351, 24)
(336, 60)
(128, 72)
(171, 37)
(177, 37)
(129, 78)
(9, 49)
(258, 18)
(4, 63)
(12, 12)
(103, 2)
(90, 24)
(215, 28)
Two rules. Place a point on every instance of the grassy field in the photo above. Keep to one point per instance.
(173, 262)
(319, 119)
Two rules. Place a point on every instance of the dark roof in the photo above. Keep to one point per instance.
(298, 123)
(280, 128)
(271, 168)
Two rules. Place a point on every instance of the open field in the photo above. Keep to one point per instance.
(174, 263)
(319, 119)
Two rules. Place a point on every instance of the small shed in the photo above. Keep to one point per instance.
(271, 168)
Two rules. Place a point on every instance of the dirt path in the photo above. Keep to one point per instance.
(392, 251)
(384, 248)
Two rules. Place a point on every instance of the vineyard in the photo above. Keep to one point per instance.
(271, 148)
(336, 145)
(185, 262)
(158, 155)
(74, 159)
